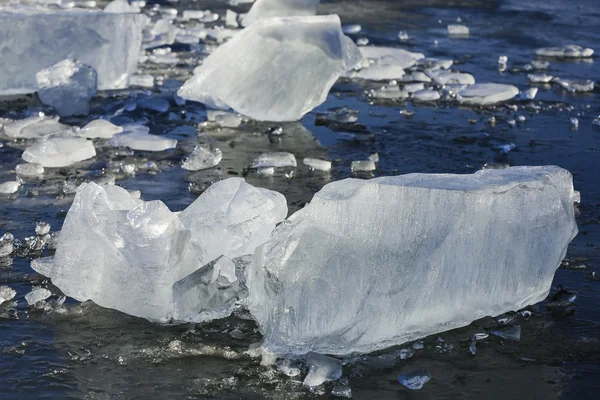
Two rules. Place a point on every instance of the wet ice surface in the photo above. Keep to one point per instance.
(86, 351)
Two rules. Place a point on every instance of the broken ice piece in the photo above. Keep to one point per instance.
(228, 120)
(9, 187)
(99, 129)
(6, 244)
(316, 164)
(569, 51)
(321, 369)
(42, 228)
(67, 86)
(262, 9)
(414, 380)
(275, 52)
(380, 73)
(528, 94)
(574, 123)
(458, 30)
(59, 152)
(277, 160)
(576, 85)
(380, 55)
(269, 171)
(231, 19)
(37, 127)
(6, 293)
(426, 95)
(444, 77)
(351, 29)
(539, 78)
(286, 367)
(506, 148)
(508, 332)
(146, 81)
(389, 92)
(37, 295)
(142, 141)
(342, 389)
(487, 93)
(202, 157)
(29, 170)
(363, 166)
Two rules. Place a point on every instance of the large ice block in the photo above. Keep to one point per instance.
(277, 69)
(429, 253)
(142, 259)
(32, 39)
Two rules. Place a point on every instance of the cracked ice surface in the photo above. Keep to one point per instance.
(306, 55)
(429, 254)
(32, 39)
(142, 259)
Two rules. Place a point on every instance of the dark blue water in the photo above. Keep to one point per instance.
(92, 353)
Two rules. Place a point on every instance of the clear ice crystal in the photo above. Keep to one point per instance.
(59, 152)
(334, 276)
(99, 129)
(321, 369)
(6, 293)
(203, 157)
(37, 295)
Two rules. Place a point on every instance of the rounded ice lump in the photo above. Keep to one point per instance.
(277, 69)
(431, 252)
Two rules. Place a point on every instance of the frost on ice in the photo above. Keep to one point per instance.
(32, 39)
(275, 70)
(142, 259)
(67, 86)
(430, 253)
(262, 9)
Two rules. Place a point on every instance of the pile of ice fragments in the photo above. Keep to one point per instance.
(430, 253)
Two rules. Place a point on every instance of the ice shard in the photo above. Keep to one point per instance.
(431, 252)
(275, 70)
(35, 38)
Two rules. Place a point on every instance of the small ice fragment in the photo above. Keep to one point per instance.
(136, 194)
(37, 295)
(389, 92)
(6, 293)
(192, 14)
(262, 9)
(67, 86)
(277, 160)
(59, 152)
(37, 127)
(574, 123)
(407, 113)
(487, 93)
(443, 77)
(576, 197)
(142, 141)
(316, 164)
(414, 380)
(434, 64)
(231, 19)
(539, 78)
(416, 76)
(374, 157)
(286, 367)
(381, 72)
(576, 85)
(458, 30)
(146, 81)
(42, 228)
(426, 95)
(506, 148)
(380, 55)
(203, 157)
(228, 120)
(403, 36)
(480, 336)
(342, 389)
(473, 347)
(29, 170)
(540, 64)
(321, 369)
(362, 41)
(406, 353)
(351, 29)
(100, 129)
(569, 51)
(596, 121)
(528, 94)
(363, 166)
(6, 244)
(508, 332)
(9, 187)
(275, 52)
(269, 171)
(502, 60)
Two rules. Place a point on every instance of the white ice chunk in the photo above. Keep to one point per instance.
(434, 64)
(29, 170)
(448, 77)
(262, 9)
(33, 39)
(351, 29)
(9, 187)
(37, 127)
(316, 164)
(67, 86)
(59, 152)
(416, 76)
(363, 166)
(381, 73)
(142, 259)
(100, 129)
(275, 70)
(231, 19)
(426, 95)
(276, 160)
(146, 81)
(121, 6)
(142, 141)
(6, 293)
(487, 93)
(202, 157)
(390, 56)
(414, 87)
(37, 295)
(458, 30)
(370, 264)
(392, 92)
(569, 51)
(573, 85)
(528, 94)
(321, 369)
(539, 78)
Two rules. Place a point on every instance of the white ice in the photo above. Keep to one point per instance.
(458, 30)
(99, 129)
(37, 295)
(276, 160)
(59, 152)
(321, 369)
(316, 164)
(431, 252)
(29, 170)
(137, 140)
(37, 127)
(487, 93)
(569, 51)
(275, 70)
(363, 166)
(6, 293)
(203, 157)
(262, 9)
(390, 56)
(9, 187)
